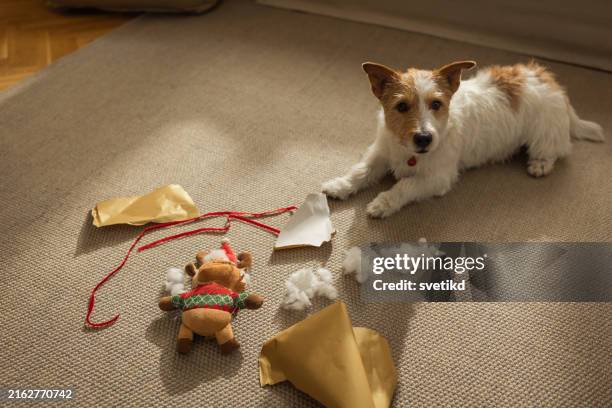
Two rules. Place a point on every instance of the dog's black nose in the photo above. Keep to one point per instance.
(422, 139)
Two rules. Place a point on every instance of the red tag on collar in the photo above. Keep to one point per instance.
(412, 161)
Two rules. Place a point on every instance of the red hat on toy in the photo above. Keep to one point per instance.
(225, 246)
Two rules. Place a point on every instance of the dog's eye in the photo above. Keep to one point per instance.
(435, 105)
(401, 107)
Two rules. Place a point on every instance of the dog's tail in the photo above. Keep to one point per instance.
(584, 129)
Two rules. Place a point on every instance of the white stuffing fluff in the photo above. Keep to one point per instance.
(352, 264)
(216, 255)
(326, 287)
(175, 281)
(305, 284)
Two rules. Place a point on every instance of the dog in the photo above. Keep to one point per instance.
(432, 126)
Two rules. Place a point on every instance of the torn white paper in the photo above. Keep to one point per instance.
(309, 226)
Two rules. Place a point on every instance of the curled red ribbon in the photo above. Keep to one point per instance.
(247, 217)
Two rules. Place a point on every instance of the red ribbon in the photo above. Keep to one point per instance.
(247, 217)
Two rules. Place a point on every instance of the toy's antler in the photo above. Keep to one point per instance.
(245, 260)
(192, 267)
(200, 257)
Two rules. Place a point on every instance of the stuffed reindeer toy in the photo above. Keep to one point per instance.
(217, 294)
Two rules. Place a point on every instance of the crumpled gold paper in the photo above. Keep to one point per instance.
(333, 362)
(168, 203)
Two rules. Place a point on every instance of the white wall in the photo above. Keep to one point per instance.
(579, 32)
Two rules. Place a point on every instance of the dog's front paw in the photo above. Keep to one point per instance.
(339, 188)
(382, 206)
(540, 167)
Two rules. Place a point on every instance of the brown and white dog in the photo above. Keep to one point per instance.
(432, 126)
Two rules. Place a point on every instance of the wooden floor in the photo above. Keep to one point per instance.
(32, 36)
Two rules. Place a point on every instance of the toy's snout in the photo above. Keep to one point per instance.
(214, 272)
(223, 273)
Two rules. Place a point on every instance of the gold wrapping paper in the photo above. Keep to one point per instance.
(168, 203)
(333, 362)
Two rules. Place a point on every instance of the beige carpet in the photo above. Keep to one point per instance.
(251, 108)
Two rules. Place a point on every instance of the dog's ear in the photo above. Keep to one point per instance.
(452, 72)
(379, 76)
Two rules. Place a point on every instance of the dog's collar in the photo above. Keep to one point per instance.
(412, 161)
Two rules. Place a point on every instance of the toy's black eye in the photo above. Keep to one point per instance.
(401, 107)
(435, 105)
